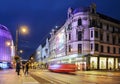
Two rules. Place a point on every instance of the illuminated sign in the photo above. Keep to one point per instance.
(60, 43)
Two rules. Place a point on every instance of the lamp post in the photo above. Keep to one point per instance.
(21, 30)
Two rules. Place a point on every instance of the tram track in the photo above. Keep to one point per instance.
(47, 79)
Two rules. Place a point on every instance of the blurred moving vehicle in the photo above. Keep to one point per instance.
(62, 67)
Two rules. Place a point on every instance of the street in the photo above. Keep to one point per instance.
(38, 76)
(79, 77)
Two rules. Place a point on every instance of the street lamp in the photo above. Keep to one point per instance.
(21, 30)
(21, 51)
(8, 43)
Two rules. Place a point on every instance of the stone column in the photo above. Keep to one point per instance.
(107, 63)
(98, 58)
(114, 63)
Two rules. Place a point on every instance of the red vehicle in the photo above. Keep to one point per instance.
(62, 67)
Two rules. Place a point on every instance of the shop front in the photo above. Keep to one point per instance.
(103, 63)
(81, 63)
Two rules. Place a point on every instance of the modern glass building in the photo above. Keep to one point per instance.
(6, 47)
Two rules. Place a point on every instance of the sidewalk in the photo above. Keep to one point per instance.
(11, 77)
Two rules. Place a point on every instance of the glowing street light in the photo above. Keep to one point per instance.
(21, 51)
(21, 30)
(24, 29)
(8, 43)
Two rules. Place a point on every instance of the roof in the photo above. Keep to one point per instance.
(108, 18)
(81, 9)
(3, 27)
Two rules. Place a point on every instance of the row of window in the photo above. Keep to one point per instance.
(113, 28)
(102, 48)
(96, 48)
(79, 36)
(114, 39)
(94, 23)
(79, 48)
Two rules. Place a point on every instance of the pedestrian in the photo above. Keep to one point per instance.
(18, 68)
(26, 68)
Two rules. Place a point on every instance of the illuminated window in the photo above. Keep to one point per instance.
(102, 64)
(110, 63)
(93, 62)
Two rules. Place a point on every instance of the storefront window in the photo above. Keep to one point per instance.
(102, 63)
(93, 63)
(116, 65)
(110, 63)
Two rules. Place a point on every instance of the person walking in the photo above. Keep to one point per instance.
(26, 68)
(18, 68)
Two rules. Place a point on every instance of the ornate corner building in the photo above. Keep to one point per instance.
(88, 39)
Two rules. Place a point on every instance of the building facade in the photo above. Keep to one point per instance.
(42, 53)
(88, 39)
(6, 47)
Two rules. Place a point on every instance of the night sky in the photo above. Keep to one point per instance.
(43, 15)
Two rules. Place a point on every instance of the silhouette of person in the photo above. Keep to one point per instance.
(18, 67)
(26, 68)
(23, 67)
